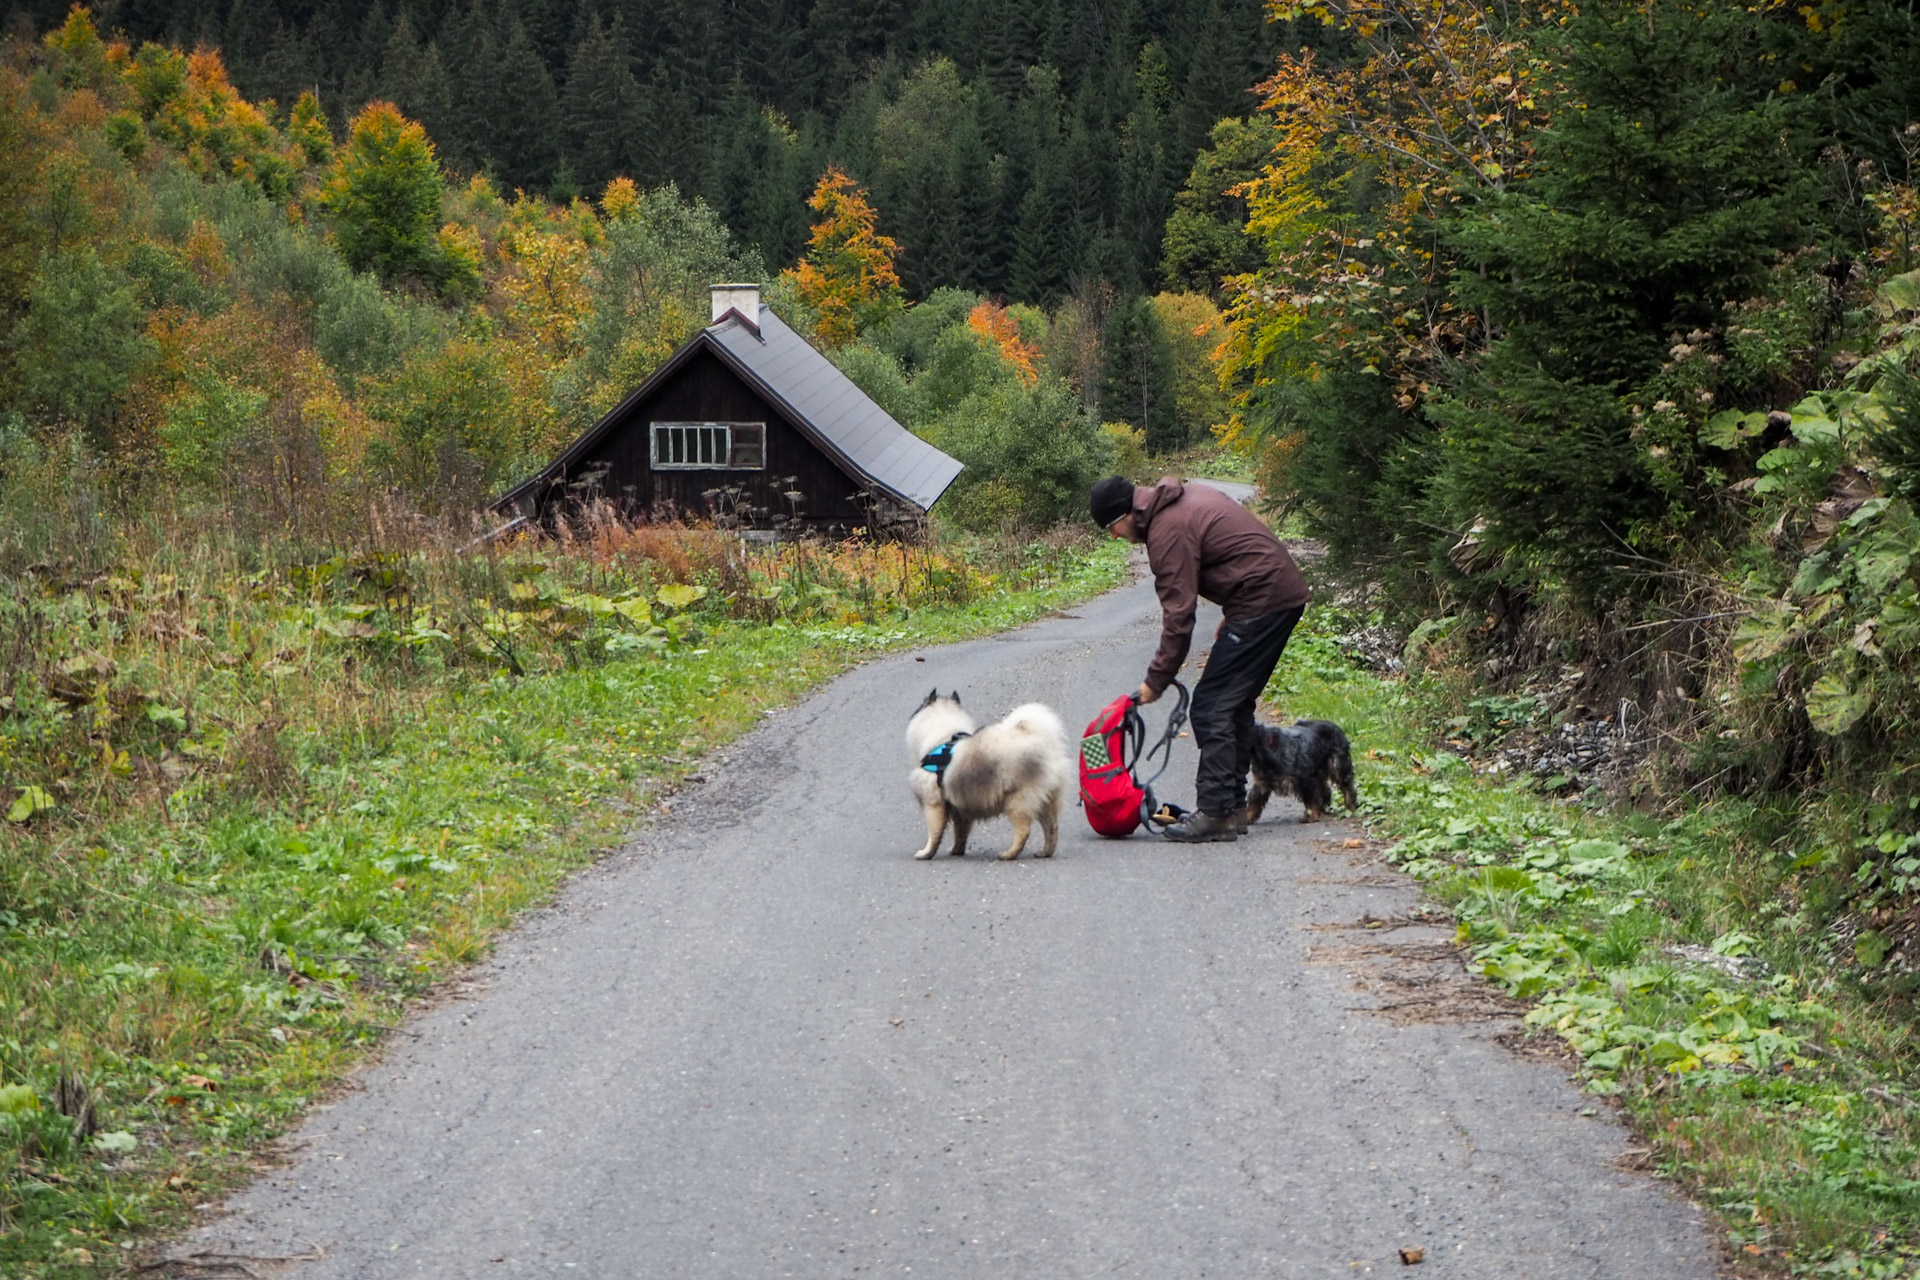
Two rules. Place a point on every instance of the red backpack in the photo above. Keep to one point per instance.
(1115, 802)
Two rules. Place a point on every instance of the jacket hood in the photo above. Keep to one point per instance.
(1148, 500)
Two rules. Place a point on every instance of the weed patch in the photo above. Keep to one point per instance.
(1666, 954)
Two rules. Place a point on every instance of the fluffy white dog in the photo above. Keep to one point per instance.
(1019, 767)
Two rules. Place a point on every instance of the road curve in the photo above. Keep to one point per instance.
(762, 1041)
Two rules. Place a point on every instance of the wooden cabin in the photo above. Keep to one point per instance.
(747, 424)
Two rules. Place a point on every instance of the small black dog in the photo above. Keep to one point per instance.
(1308, 759)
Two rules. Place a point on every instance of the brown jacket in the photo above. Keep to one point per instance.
(1200, 543)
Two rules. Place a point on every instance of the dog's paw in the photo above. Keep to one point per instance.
(922, 855)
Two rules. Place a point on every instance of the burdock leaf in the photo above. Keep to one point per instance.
(31, 800)
(1833, 706)
(680, 596)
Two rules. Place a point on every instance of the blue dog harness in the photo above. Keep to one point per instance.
(936, 761)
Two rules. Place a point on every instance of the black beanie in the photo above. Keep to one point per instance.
(1110, 499)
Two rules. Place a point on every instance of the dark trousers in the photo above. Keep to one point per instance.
(1244, 654)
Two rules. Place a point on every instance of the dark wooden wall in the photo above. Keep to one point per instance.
(706, 390)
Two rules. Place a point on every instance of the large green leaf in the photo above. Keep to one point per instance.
(1730, 427)
(680, 596)
(1815, 576)
(1879, 565)
(1903, 292)
(1764, 634)
(1834, 706)
(1811, 423)
(31, 800)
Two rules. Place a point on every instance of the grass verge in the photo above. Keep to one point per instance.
(1667, 957)
(256, 844)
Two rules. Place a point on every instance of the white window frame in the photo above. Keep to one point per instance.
(710, 443)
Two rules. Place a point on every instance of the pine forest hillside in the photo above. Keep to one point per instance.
(1013, 148)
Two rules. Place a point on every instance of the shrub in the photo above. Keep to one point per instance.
(961, 364)
(910, 336)
(1031, 454)
(880, 376)
(80, 341)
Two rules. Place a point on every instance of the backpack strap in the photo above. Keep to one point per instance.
(1154, 815)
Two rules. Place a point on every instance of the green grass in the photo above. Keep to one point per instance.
(1210, 460)
(204, 961)
(1778, 1099)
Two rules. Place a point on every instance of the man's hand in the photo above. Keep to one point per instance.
(1147, 694)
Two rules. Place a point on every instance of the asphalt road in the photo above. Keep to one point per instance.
(763, 1041)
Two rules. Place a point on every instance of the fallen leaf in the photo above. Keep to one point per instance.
(199, 1082)
(1353, 844)
(1409, 1257)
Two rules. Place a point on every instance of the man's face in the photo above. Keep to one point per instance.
(1123, 528)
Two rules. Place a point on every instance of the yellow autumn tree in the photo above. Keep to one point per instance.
(1441, 106)
(847, 275)
(190, 104)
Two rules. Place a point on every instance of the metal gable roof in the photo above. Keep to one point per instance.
(827, 405)
(835, 411)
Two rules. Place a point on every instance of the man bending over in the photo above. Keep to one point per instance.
(1200, 543)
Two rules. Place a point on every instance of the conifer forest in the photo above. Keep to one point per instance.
(1579, 342)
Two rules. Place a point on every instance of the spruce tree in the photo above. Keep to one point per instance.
(1007, 45)
(472, 50)
(413, 77)
(1045, 256)
(600, 107)
(362, 80)
(1137, 382)
(523, 138)
(1662, 196)
(975, 206)
(1217, 82)
(290, 65)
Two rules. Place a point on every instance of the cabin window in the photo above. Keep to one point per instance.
(710, 446)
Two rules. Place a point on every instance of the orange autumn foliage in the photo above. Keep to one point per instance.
(994, 323)
(847, 275)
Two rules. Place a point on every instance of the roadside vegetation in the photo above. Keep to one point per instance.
(1673, 956)
(267, 800)
(1587, 341)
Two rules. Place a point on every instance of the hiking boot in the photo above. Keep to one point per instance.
(1199, 827)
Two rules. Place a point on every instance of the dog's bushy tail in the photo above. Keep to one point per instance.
(1038, 719)
(1343, 770)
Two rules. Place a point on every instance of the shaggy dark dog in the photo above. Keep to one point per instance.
(1307, 759)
